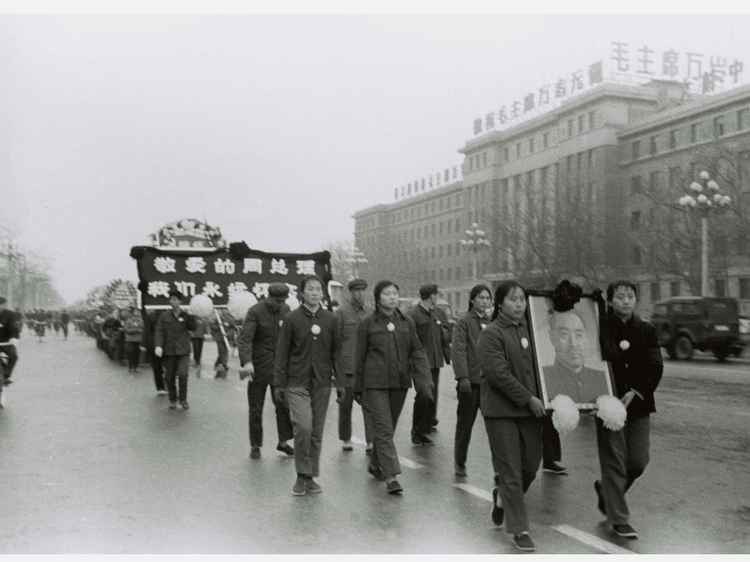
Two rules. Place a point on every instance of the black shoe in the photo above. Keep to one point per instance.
(460, 470)
(600, 497)
(173, 405)
(368, 449)
(498, 513)
(555, 468)
(433, 423)
(524, 543)
(376, 471)
(426, 440)
(625, 531)
(393, 487)
(285, 448)
(255, 452)
(185, 405)
(433, 429)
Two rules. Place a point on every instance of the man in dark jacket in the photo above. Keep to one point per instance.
(349, 315)
(432, 332)
(9, 333)
(630, 345)
(303, 372)
(172, 343)
(257, 348)
(147, 345)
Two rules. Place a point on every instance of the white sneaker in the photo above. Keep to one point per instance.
(347, 446)
(161, 392)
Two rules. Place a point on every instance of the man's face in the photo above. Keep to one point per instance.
(313, 293)
(569, 340)
(276, 302)
(482, 301)
(175, 302)
(623, 301)
(358, 295)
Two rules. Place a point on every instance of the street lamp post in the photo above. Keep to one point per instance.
(704, 197)
(475, 241)
(356, 259)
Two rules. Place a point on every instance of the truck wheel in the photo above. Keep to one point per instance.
(683, 348)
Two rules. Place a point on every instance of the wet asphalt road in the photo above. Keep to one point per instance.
(93, 461)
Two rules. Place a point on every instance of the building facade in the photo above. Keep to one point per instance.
(586, 191)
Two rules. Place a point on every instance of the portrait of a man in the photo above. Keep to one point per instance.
(568, 354)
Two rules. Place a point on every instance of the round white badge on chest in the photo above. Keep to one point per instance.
(315, 329)
(524, 343)
(437, 322)
(390, 326)
(281, 323)
(624, 345)
(483, 325)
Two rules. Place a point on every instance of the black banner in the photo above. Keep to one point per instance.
(217, 273)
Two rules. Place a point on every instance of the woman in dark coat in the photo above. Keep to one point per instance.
(512, 410)
(388, 355)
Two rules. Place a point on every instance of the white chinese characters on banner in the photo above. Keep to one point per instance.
(211, 289)
(158, 289)
(187, 288)
(253, 265)
(305, 267)
(164, 265)
(260, 290)
(237, 287)
(195, 265)
(225, 266)
(279, 266)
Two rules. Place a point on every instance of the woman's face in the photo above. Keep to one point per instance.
(313, 293)
(389, 297)
(482, 301)
(514, 304)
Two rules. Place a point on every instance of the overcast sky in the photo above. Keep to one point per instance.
(274, 128)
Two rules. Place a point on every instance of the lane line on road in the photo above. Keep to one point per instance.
(591, 540)
(571, 532)
(408, 463)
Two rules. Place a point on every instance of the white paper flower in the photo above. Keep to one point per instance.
(702, 198)
(565, 416)
(483, 326)
(315, 329)
(612, 412)
(281, 323)
(390, 327)
(524, 343)
(624, 345)
(704, 175)
(437, 322)
(695, 186)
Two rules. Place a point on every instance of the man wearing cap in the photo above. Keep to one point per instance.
(172, 344)
(431, 330)
(350, 314)
(257, 348)
(9, 332)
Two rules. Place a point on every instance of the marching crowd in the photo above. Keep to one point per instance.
(374, 356)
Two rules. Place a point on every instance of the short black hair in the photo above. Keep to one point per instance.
(477, 290)
(426, 291)
(612, 287)
(307, 279)
(380, 287)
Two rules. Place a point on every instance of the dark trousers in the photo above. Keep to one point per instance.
(10, 351)
(516, 445)
(345, 417)
(307, 408)
(256, 397)
(197, 349)
(552, 447)
(65, 330)
(466, 413)
(623, 456)
(425, 410)
(385, 407)
(157, 367)
(133, 350)
(176, 367)
(223, 357)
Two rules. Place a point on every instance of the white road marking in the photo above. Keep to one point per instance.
(581, 536)
(408, 463)
(591, 540)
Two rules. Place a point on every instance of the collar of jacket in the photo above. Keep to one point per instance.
(356, 305)
(309, 312)
(397, 314)
(427, 310)
(479, 315)
(506, 321)
(632, 322)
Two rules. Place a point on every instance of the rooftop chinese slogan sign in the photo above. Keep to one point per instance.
(220, 272)
(626, 63)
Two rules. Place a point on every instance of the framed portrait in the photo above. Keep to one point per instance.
(567, 351)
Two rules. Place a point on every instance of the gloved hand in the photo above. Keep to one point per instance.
(464, 385)
(339, 395)
(158, 351)
(358, 398)
(280, 395)
(248, 370)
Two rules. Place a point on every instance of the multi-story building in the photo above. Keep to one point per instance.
(587, 190)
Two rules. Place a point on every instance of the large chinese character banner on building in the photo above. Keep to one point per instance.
(218, 272)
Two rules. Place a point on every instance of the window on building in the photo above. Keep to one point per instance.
(570, 127)
(432, 230)
(720, 288)
(653, 182)
(719, 126)
(674, 288)
(745, 287)
(531, 145)
(506, 154)
(636, 256)
(652, 145)
(742, 244)
(635, 220)
(432, 253)
(484, 159)
(592, 119)
(635, 185)
(694, 132)
(449, 250)
(655, 291)
(458, 248)
(581, 121)
(636, 150)
(673, 138)
(591, 158)
(743, 119)
(569, 163)
(545, 140)
(674, 178)
(458, 273)
(518, 150)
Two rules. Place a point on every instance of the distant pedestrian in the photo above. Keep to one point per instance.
(197, 338)
(148, 346)
(257, 349)
(223, 330)
(133, 328)
(349, 315)
(304, 370)
(466, 368)
(9, 333)
(64, 322)
(388, 355)
(172, 343)
(512, 410)
(632, 349)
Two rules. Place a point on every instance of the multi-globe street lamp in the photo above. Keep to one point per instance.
(356, 258)
(704, 197)
(475, 241)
